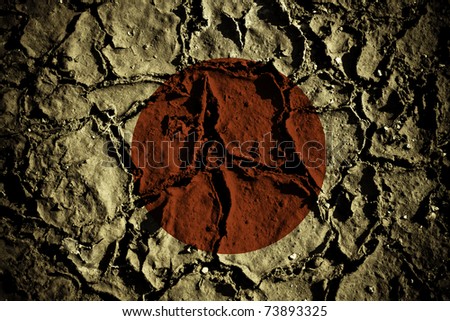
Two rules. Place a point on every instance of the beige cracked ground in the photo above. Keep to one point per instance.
(75, 75)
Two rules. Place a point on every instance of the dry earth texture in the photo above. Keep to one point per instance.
(76, 74)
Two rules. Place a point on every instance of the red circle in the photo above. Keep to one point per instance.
(230, 155)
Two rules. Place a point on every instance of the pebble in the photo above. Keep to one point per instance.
(379, 73)
(431, 217)
(293, 256)
(318, 261)
(204, 270)
(338, 60)
(434, 208)
(405, 217)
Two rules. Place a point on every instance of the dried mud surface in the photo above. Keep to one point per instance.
(228, 183)
(76, 75)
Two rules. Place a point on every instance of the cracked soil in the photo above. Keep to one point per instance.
(77, 74)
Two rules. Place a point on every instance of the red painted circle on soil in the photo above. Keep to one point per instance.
(229, 155)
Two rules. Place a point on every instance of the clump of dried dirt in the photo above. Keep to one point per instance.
(76, 75)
